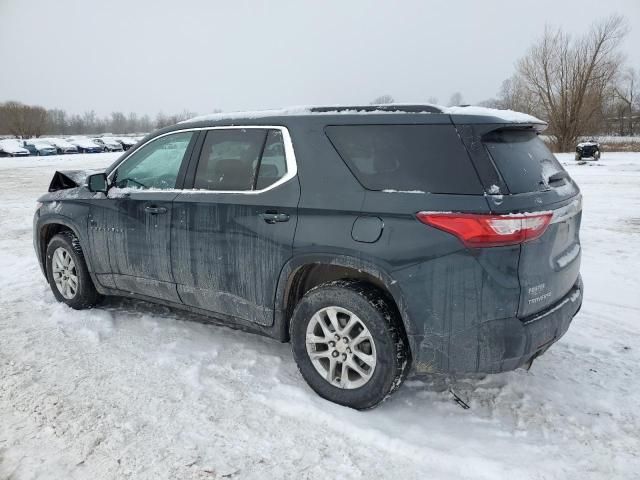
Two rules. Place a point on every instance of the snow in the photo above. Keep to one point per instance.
(83, 142)
(390, 190)
(506, 115)
(134, 390)
(587, 144)
(12, 146)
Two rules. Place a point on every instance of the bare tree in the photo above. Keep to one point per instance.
(627, 90)
(22, 120)
(382, 100)
(514, 95)
(569, 78)
(456, 99)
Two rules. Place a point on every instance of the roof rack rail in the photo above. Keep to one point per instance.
(378, 108)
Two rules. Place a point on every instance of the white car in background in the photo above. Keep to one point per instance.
(12, 148)
(127, 142)
(62, 146)
(108, 144)
(85, 145)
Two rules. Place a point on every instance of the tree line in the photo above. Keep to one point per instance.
(26, 121)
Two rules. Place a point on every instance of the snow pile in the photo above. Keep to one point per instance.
(134, 390)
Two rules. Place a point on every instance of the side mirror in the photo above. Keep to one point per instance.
(98, 183)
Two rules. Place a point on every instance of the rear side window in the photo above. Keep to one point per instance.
(427, 158)
(240, 159)
(524, 161)
(273, 165)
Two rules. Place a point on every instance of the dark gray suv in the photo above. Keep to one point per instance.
(379, 241)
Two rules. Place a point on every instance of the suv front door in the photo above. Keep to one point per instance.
(233, 232)
(133, 223)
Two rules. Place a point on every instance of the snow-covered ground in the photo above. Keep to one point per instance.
(133, 390)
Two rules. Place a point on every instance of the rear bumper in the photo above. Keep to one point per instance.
(499, 345)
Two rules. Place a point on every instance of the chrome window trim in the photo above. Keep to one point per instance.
(289, 156)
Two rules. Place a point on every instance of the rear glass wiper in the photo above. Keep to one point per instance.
(557, 177)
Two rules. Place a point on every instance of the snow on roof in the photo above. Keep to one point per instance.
(509, 116)
(300, 110)
(506, 115)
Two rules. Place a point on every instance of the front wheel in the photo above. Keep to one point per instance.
(67, 272)
(578, 157)
(348, 343)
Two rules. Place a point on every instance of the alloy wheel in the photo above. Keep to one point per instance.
(64, 272)
(341, 348)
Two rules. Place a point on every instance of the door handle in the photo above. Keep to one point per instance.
(272, 217)
(155, 210)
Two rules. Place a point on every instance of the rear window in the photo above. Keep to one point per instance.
(524, 161)
(427, 158)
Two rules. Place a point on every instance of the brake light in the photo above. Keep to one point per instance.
(477, 230)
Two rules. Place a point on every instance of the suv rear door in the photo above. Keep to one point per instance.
(233, 232)
(532, 180)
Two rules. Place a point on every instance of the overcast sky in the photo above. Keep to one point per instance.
(156, 55)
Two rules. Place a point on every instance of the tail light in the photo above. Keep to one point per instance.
(477, 230)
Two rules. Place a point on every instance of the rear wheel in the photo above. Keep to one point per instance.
(348, 344)
(67, 272)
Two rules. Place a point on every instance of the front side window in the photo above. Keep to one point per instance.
(240, 160)
(156, 165)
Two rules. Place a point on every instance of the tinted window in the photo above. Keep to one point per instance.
(273, 165)
(428, 158)
(523, 159)
(230, 159)
(156, 165)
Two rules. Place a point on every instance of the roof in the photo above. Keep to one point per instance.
(470, 113)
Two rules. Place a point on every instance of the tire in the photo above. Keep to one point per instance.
(369, 308)
(596, 156)
(578, 157)
(63, 246)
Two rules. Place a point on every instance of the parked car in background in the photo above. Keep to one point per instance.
(12, 148)
(85, 145)
(62, 146)
(39, 147)
(127, 142)
(590, 149)
(108, 144)
(377, 244)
